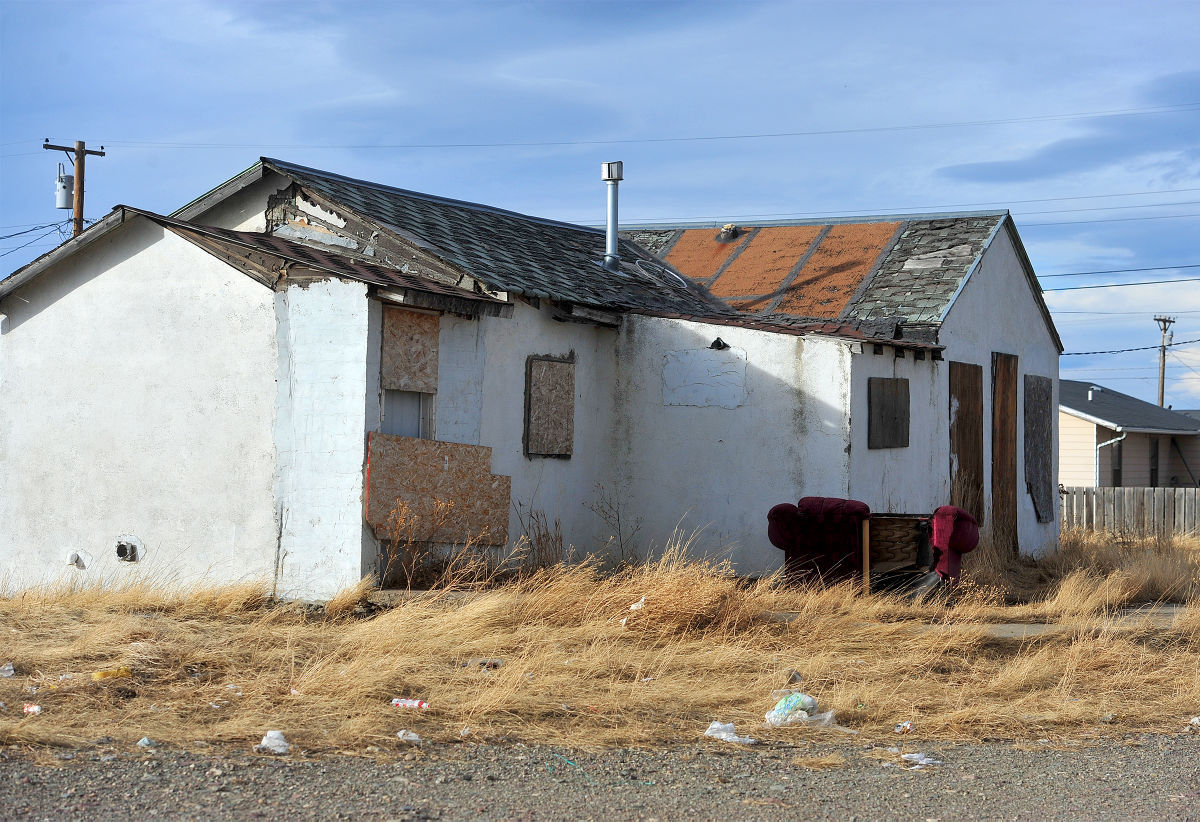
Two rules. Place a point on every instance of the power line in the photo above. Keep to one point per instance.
(1119, 271)
(1166, 109)
(1125, 350)
(31, 242)
(1185, 363)
(1122, 285)
(1112, 220)
(31, 230)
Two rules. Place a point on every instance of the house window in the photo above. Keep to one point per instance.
(1116, 465)
(1154, 462)
(887, 413)
(407, 414)
(549, 406)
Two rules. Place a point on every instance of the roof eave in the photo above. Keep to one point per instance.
(34, 269)
(1132, 429)
(225, 190)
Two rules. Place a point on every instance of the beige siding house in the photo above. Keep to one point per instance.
(1112, 439)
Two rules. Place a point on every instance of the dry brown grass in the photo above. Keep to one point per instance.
(704, 646)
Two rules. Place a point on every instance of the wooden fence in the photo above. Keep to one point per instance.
(1137, 511)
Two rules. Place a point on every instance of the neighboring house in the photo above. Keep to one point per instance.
(247, 387)
(1112, 439)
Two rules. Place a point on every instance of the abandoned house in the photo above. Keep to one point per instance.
(1110, 439)
(246, 387)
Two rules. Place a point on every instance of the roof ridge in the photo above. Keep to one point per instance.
(287, 167)
(849, 219)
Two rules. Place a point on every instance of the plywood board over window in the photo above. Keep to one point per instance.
(1039, 444)
(549, 406)
(966, 437)
(409, 359)
(1004, 450)
(887, 410)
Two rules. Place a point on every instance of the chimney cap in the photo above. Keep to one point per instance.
(612, 171)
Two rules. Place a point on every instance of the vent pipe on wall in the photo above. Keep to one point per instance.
(611, 173)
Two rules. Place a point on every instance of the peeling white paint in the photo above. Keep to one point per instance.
(315, 210)
(704, 377)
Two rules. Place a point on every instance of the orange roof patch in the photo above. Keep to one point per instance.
(763, 265)
(698, 255)
(836, 269)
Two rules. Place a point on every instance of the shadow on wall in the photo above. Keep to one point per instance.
(715, 424)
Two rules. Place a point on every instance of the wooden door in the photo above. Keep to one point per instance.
(1004, 451)
(966, 437)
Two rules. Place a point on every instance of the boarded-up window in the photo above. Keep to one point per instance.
(549, 406)
(966, 437)
(887, 411)
(409, 358)
(1039, 444)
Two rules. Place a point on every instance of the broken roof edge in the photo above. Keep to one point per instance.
(289, 169)
(847, 220)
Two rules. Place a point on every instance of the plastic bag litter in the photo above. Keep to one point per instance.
(1194, 725)
(146, 742)
(273, 742)
(7, 670)
(793, 707)
(725, 732)
(904, 727)
(408, 736)
(917, 761)
(639, 605)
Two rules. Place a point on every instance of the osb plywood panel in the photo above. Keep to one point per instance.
(549, 407)
(1004, 450)
(698, 255)
(966, 437)
(761, 268)
(420, 472)
(1039, 444)
(410, 351)
(836, 268)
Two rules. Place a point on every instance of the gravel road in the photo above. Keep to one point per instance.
(1140, 777)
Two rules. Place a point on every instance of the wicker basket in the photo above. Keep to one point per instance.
(895, 538)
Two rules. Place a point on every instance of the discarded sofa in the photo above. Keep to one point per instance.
(821, 538)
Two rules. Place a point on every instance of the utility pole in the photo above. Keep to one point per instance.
(1164, 323)
(81, 151)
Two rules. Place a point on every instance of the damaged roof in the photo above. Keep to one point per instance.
(513, 252)
(875, 273)
(1121, 412)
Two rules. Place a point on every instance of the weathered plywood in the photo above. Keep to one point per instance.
(966, 437)
(887, 412)
(549, 407)
(422, 472)
(1004, 450)
(409, 360)
(1039, 444)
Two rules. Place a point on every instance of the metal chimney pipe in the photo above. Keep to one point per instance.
(611, 173)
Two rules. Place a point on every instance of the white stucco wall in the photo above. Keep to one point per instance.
(137, 396)
(721, 468)
(912, 480)
(557, 487)
(324, 398)
(996, 311)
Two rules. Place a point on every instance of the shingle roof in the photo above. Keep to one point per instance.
(514, 252)
(1121, 411)
(905, 268)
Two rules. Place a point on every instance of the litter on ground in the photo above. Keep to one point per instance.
(273, 742)
(408, 736)
(419, 704)
(904, 727)
(725, 732)
(6, 670)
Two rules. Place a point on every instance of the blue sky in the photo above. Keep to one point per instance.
(1084, 120)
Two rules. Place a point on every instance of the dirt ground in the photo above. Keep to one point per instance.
(1136, 776)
